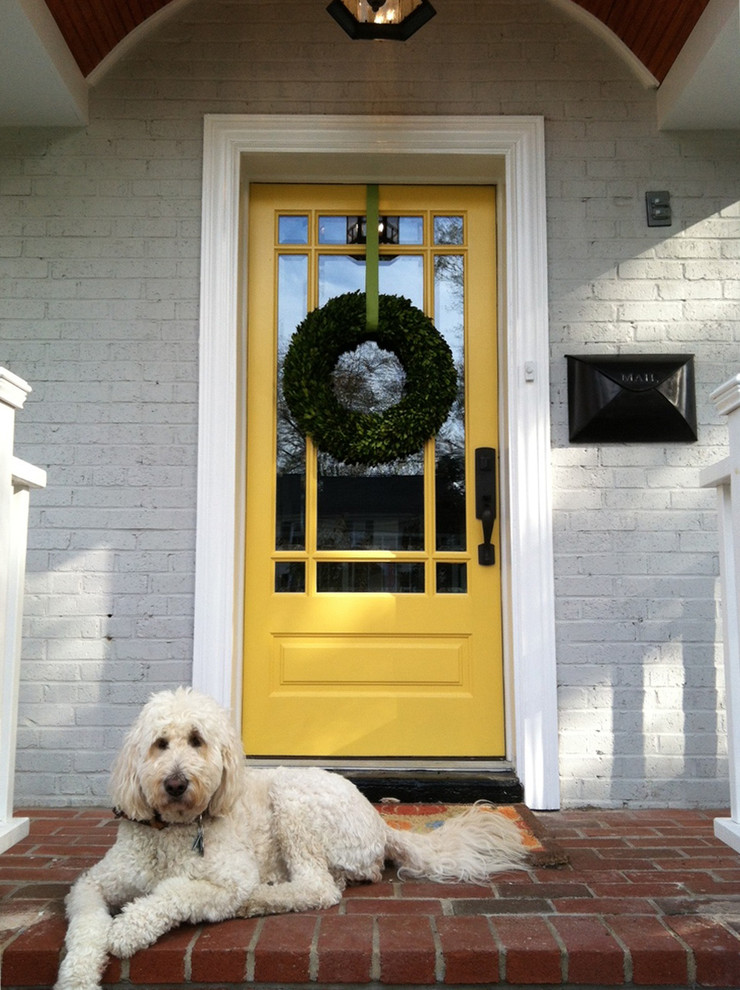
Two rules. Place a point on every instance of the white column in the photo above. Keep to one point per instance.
(16, 479)
(725, 477)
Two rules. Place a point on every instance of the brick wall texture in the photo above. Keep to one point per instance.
(99, 286)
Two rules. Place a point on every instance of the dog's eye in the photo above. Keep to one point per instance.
(195, 740)
(161, 743)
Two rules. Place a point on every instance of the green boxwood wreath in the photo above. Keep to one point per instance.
(369, 438)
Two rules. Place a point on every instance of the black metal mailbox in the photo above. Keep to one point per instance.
(631, 398)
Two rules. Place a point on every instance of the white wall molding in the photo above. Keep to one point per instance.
(504, 150)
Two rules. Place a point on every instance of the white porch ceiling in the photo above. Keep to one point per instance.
(40, 82)
(702, 89)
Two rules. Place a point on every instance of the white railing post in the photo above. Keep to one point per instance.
(725, 477)
(16, 480)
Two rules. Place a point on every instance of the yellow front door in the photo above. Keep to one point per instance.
(371, 628)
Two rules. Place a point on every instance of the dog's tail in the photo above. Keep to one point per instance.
(466, 848)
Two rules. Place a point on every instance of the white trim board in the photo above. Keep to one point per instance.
(508, 151)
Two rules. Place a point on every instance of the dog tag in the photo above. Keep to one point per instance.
(199, 842)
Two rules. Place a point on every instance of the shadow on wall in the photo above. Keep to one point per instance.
(101, 635)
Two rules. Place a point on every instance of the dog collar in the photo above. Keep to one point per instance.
(157, 823)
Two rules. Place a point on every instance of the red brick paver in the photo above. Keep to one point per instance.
(647, 899)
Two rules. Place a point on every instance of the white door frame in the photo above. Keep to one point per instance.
(506, 151)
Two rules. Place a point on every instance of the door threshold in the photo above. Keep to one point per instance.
(421, 781)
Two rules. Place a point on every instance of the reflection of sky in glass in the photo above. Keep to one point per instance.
(410, 230)
(292, 295)
(403, 276)
(339, 274)
(333, 230)
(448, 301)
(399, 276)
(293, 230)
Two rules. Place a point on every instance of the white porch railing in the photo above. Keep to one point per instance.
(16, 480)
(725, 477)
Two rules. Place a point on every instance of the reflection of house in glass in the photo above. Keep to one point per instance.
(356, 513)
(371, 513)
(383, 513)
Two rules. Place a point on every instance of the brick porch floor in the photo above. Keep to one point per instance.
(648, 898)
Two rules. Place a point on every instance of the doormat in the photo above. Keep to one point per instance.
(426, 817)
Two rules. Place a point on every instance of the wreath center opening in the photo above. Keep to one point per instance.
(368, 379)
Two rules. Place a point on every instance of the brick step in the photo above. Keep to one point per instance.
(646, 899)
(408, 940)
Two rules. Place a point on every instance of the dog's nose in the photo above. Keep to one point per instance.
(176, 785)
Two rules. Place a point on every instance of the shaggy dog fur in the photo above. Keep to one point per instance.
(203, 838)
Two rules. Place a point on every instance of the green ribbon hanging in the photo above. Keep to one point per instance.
(372, 257)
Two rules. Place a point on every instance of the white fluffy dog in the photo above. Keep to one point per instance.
(204, 838)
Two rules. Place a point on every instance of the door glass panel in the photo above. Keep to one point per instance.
(452, 578)
(376, 576)
(291, 446)
(340, 273)
(411, 230)
(290, 576)
(332, 230)
(370, 508)
(403, 276)
(450, 447)
(352, 230)
(293, 230)
(368, 379)
(448, 230)
(292, 295)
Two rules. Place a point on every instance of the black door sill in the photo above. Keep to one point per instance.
(437, 786)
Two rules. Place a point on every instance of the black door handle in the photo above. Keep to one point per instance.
(485, 501)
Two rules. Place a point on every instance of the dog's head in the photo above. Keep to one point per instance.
(180, 759)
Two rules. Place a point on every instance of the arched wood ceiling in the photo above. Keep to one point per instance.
(654, 30)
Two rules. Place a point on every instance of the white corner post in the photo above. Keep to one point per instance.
(725, 477)
(16, 480)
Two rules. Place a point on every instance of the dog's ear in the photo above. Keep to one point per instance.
(230, 787)
(124, 787)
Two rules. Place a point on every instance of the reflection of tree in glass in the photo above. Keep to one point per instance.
(448, 230)
(291, 444)
(368, 379)
(451, 438)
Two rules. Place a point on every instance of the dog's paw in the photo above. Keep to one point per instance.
(252, 911)
(127, 936)
(74, 974)
(77, 984)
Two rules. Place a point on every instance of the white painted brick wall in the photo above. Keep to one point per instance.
(99, 256)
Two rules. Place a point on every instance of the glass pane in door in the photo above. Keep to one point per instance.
(449, 301)
(292, 306)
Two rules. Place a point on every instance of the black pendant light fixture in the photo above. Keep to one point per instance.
(395, 20)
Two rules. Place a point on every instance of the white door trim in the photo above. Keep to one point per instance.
(508, 151)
